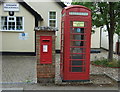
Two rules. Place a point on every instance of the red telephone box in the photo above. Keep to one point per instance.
(46, 49)
(75, 43)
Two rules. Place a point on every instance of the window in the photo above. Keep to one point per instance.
(11, 23)
(52, 19)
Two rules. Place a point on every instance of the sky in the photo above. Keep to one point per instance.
(67, 2)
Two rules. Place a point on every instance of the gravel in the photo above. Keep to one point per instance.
(94, 70)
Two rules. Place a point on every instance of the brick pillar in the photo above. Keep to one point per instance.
(45, 72)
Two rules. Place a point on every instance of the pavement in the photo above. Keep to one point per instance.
(19, 72)
(17, 69)
(38, 86)
(102, 55)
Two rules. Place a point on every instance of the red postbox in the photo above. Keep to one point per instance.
(46, 49)
(75, 43)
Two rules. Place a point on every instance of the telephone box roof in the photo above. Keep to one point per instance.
(76, 6)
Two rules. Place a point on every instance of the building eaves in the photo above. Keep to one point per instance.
(60, 3)
(32, 11)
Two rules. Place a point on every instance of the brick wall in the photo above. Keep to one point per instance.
(45, 72)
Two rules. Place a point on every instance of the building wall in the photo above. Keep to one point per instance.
(104, 40)
(10, 40)
(95, 39)
(43, 8)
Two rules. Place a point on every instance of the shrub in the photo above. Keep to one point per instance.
(104, 62)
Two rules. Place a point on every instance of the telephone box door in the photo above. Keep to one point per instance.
(79, 49)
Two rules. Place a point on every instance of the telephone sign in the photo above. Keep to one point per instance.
(79, 13)
(78, 24)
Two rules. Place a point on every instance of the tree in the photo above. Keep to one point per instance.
(105, 13)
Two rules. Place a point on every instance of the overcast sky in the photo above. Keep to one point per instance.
(67, 2)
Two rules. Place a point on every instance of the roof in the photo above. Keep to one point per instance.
(60, 3)
(32, 11)
(76, 6)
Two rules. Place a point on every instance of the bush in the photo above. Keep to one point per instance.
(106, 63)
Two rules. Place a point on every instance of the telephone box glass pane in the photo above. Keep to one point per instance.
(77, 69)
(77, 43)
(77, 37)
(77, 30)
(77, 50)
(77, 62)
(77, 56)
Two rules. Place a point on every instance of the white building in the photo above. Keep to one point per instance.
(17, 25)
(105, 41)
(18, 20)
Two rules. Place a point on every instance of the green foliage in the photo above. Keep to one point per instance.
(104, 62)
(105, 13)
(101, 13)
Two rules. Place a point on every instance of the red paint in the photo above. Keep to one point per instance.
(45, 49)
(75, 40)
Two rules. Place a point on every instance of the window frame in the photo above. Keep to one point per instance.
(52, 19)
(12, 30)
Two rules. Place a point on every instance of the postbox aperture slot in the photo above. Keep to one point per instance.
(46, 40)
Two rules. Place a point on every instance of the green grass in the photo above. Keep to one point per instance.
(106, 63)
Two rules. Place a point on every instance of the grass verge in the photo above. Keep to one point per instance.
(106, 63)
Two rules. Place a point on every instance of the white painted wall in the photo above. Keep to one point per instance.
(95, 38)
(43, 8)
(104, 40)
(10, 40)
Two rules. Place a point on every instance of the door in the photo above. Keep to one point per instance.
(77, 63)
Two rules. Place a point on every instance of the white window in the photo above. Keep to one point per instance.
(52, 19)
(11, 23)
